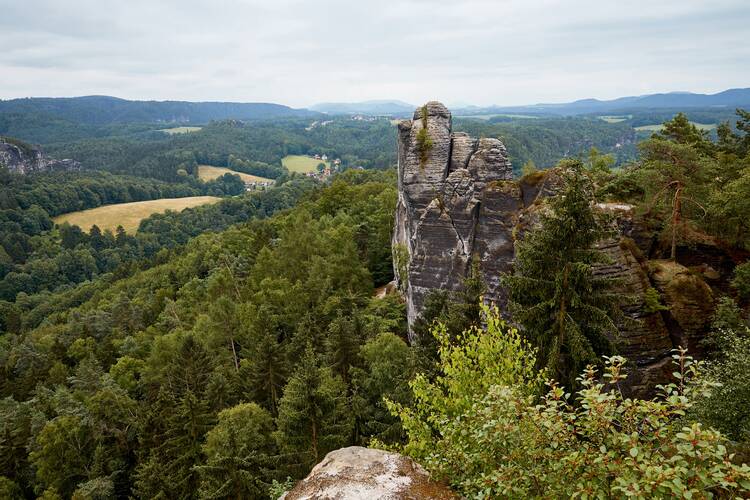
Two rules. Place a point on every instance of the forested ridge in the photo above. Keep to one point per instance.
(222, 351)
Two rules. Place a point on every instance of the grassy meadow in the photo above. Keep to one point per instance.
(129, 215)
(302, 163)
(209, 173)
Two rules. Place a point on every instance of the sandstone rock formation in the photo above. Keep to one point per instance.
(357, 473)
(459, 206)
(25, 159)
(452, 203)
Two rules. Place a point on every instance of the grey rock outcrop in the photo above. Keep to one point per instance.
(357, 473)
(459, 206)
(442, 208)
(25, 159)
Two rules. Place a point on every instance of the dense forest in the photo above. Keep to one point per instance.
(222, 351)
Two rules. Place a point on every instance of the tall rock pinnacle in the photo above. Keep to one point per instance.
(444, 218)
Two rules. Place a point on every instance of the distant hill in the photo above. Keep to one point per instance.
(728, 99)
(377, 108)
(103, 110)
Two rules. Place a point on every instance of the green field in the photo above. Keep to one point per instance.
(657, 127)
(209, 173)
(129, 215)
(302, 164)
(180, 130)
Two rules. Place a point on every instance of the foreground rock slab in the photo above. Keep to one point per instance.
(357, 473)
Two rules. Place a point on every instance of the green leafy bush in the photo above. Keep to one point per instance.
(741, 280)
(652, 301)
(424, 141)
(480, 426)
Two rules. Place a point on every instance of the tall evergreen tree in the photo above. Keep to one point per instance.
(562, 306)
(264, 370)
(239, 451)
(314, 415)
(342, 344)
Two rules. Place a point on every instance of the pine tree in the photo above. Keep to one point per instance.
(674, 177)
(264, 370)
(169, 471)
(563, 308)
(314, 416)
(343, 343)
(239, 451)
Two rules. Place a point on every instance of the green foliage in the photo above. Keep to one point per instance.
(468, 366)
(741, 280)
(10, 489)
(529, 168)
(68, 256)
(457, 311)
(239, 451)
(61, 457)
(563, 308)
(723, 405)
(401, 265)
(314, 414)
(279, 488)
(673, 175)
(388, 366)
(146, 361)
(424, 141)
(652, 301)
(101, 488)
(680, 130)
(480, 428)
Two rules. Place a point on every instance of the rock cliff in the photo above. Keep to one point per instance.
(22, 158)
(459, 206)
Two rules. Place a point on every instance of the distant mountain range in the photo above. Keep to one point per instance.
(102, 110)
(376, 108)
(730, 99)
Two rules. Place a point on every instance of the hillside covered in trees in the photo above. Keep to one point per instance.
(222, 351)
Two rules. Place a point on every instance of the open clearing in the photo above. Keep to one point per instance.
(301, 163)
(129, 215)
(615, 119)
(657, 127)
(209, 173)
(180, 130)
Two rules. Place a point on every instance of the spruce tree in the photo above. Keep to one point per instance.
(264, 370)
(314, 414)
(342, 345)
(563, 308)
(239, 451)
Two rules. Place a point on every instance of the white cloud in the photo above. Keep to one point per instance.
(300, 52)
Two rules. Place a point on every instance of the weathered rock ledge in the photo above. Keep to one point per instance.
(357, 473)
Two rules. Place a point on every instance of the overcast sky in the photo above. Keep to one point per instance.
(302, 52)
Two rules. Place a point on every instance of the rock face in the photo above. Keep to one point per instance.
(459, 206)
(442, 209)
(358, 473)
(25, 159)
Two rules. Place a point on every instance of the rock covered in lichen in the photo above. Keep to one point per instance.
(357, 473)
